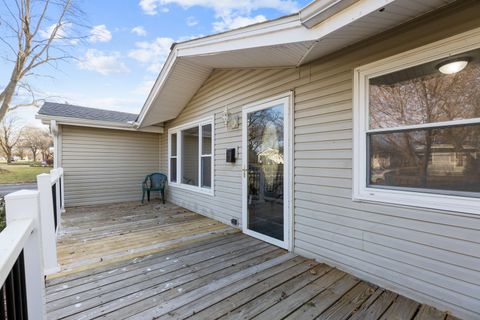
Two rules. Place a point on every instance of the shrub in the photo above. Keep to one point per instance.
(37, 164)
(22, 163)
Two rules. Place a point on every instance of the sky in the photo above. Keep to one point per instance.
(126, 43)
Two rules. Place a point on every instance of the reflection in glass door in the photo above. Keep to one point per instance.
(264, 172)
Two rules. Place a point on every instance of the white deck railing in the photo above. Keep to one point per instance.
(28, 249)
(51, 189)
(21, 265)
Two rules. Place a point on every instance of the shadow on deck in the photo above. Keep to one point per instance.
(162, 261)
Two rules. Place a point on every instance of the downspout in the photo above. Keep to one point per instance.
(54, 130)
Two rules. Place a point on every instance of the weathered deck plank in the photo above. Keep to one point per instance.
(270, 298)
(240, 298)
(316, 306)
(130, 264)
(139, 291)
(154, 272)
(377, 308)
(430, 313)
(165, 262)
(95, 235)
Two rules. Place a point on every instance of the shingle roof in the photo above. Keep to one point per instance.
(77, 112)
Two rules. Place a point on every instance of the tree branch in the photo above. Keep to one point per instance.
(40, 19)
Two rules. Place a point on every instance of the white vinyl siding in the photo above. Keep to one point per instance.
(104, 165)
(234, 88)
(429, 255)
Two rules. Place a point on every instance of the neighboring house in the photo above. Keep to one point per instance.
(106, 159)
(305, 103)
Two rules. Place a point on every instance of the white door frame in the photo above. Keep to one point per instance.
(287, 100)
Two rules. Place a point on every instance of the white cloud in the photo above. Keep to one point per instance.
(62, 33)
(230, 13)
(224, 7)
(47, 33)
(149, 7)
(102, 100)
(228, 23)
(144, 87)
(100, 33)
(111, 103)
(191, 21)
(139, 31)
(153, 54)
(103, 63)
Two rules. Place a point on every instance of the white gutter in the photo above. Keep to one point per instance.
(48, 120)
(319, 11)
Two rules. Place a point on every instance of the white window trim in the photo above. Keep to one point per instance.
(177, 130)
(361, 192)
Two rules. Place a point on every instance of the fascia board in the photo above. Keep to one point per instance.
(95, 124)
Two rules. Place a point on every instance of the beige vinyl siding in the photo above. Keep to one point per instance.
(104, 165)
(429, 255)
(232, 88)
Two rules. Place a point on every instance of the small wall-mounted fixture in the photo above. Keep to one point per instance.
(453, 66)
(234, 222)
(231, 122)
(226, 116)
(231, 155)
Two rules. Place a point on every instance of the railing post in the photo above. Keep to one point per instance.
(49, 236)
(57, 178)
(62, 189)
(22, 205)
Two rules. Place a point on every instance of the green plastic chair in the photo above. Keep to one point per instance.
(154, 182)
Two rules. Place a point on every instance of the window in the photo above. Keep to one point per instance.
(189, 152)
(173, 158)
(417, 138)
(206, 156)
(191, 156)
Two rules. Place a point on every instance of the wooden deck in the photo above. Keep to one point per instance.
(217, 274)
(95, 235)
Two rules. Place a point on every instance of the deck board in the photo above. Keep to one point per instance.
(95, 235)
(127, 261)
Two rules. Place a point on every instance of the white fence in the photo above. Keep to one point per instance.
(50, 187)
(28, 248)
(21, 265)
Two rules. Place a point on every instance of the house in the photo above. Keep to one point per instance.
(306, 106)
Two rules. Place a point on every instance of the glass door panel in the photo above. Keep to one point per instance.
(265, 171)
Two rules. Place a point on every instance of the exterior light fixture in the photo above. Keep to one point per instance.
(230, 121)
(226, 116)
(453, 66)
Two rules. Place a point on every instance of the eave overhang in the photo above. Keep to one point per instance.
(323, 27)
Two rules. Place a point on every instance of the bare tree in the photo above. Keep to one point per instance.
(46, 144)
(37, 33)
(31, 140)
(20, 152)
(10, 134)
(430, 98)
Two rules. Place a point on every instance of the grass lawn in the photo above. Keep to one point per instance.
(20, 173)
